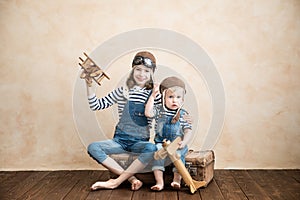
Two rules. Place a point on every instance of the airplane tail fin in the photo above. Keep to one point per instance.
(196, 185)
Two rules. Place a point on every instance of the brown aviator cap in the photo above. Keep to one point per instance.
(171, 82)
(145, 58)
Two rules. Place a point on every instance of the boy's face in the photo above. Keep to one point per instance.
(174, 97)
(141, 75)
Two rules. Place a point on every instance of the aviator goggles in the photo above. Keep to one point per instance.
(140, 60)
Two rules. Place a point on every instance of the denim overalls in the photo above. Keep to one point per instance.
(166, 130)
(131, 135)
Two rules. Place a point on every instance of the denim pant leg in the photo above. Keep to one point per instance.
(159, 164)
(146, 150)
(100, 150)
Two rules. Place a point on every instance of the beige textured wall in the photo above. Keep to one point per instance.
(254, 44)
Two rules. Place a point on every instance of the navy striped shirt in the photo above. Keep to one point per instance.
(159, 110)
(136, 94)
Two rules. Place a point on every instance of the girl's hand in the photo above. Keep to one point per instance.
(188, 118)
(155, 90)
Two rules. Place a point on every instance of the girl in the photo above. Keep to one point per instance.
(132, 131)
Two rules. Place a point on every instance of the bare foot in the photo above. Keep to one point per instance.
(110, 184)
(136, 184)
(157, 187)
(175, 185)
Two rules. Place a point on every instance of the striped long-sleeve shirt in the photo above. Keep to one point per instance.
(136, 94)
(159, 110)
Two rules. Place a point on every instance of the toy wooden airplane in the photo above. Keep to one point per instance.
(91, 71)
(169, 149)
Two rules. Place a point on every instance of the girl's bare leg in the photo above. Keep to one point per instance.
(135, 167)
(112, 166)
(135, 183)
(115, 168)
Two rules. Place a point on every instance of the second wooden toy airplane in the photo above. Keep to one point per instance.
(169, 149)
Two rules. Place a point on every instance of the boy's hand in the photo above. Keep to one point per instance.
(181, 145)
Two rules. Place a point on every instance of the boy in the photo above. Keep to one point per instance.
(169, 125)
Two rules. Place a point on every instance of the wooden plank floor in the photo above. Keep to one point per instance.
(74, 185)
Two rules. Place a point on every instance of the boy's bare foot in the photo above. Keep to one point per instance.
(157, 187)
(110, 184)
(136, 184)
(175, 185)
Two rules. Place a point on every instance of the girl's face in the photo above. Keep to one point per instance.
(174, 98)
(141, 75)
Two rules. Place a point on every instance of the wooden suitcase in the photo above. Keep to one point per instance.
(200, 165)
